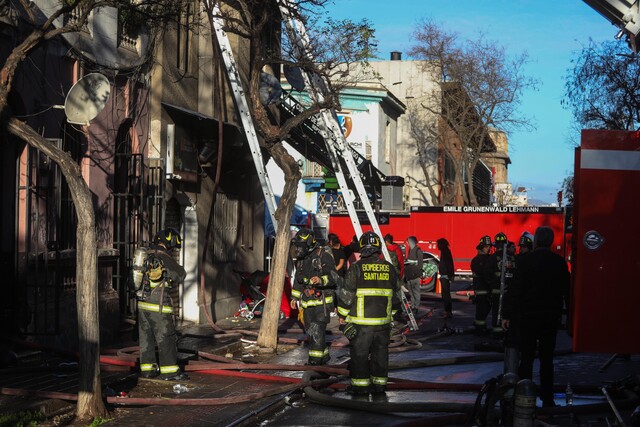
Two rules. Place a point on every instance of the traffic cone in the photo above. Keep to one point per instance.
(438, 286)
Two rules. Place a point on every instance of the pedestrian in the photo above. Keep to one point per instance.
(155, 309)
(393, 248)
(482, 281)
(413, 271)
(366, 304)
(539, 294)
(351, 251)
(339, 257)
(313, 290)
(500, 256)
(447, 272)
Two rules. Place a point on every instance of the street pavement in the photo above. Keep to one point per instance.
(443, 353)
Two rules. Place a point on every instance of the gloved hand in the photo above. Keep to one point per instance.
(349, 330)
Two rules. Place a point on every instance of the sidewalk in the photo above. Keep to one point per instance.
(577, 369)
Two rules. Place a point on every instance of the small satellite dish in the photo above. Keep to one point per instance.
(270, 89)
(294, 77)
(87, 98)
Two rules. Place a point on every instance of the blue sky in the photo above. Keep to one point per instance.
(550, 31)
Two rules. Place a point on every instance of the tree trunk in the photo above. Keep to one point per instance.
(268, 335)
(90, 402)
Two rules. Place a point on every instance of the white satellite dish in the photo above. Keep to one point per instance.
(87, 98)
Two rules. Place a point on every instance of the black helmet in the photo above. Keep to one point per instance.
(484, 241)
(303, 243)
(369, 243)
(169, 237)
(500, 239)
(526, 240)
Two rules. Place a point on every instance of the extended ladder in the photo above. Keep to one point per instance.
(244, 112)
(335, 141)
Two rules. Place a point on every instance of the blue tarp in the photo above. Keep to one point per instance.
(299, 217)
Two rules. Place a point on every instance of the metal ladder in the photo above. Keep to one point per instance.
(244, 113)
(335, 140)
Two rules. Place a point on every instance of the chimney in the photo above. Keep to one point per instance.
(396, 56)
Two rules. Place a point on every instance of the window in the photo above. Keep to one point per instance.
(182, 43)
(387, 143)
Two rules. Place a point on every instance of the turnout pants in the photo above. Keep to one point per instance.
(369, 366)
(315, 323)
(157, 328)
(483, 307)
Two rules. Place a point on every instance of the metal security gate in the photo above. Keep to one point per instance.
(137, 208)
(45, 255)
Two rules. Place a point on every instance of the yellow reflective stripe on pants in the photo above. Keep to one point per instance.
(166, 309)
(147, 367)
(171, 369)
(319, 353)
(360, 382)
(379, 380)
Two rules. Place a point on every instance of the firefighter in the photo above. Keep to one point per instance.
(540, 293)
(155, 309)
(447, 272)
(413, 271)
(313, 289)
(366, 304)
(525, 244)
(482, 280)
(496, 260)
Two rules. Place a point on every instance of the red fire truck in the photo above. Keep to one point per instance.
(462, 226)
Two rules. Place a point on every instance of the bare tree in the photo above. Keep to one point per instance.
(603, 87)
(90, 402)
(480, 88)
(333, 49)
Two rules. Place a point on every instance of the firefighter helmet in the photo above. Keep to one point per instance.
(169, 237)
(303, 243)
(500, 239)
(526, 240)
(484, 241)
(369, 243)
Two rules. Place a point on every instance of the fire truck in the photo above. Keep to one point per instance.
(462, 226)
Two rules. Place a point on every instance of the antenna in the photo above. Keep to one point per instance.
(87, 98)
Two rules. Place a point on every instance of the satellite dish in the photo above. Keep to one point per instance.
(270, 89)
(294, 77)
(87, 98)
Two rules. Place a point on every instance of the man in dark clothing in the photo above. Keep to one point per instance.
(366, 304)
(337, 251)
(413, 271)
(447, 271)
(155, 309)
(313, 290)
(537, 297)
(512, 335)
(482, 280)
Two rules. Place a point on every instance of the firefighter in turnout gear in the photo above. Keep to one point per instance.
(366, 304)
(496, 261)
(314, 290)
(155, 309)
(482, 279)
